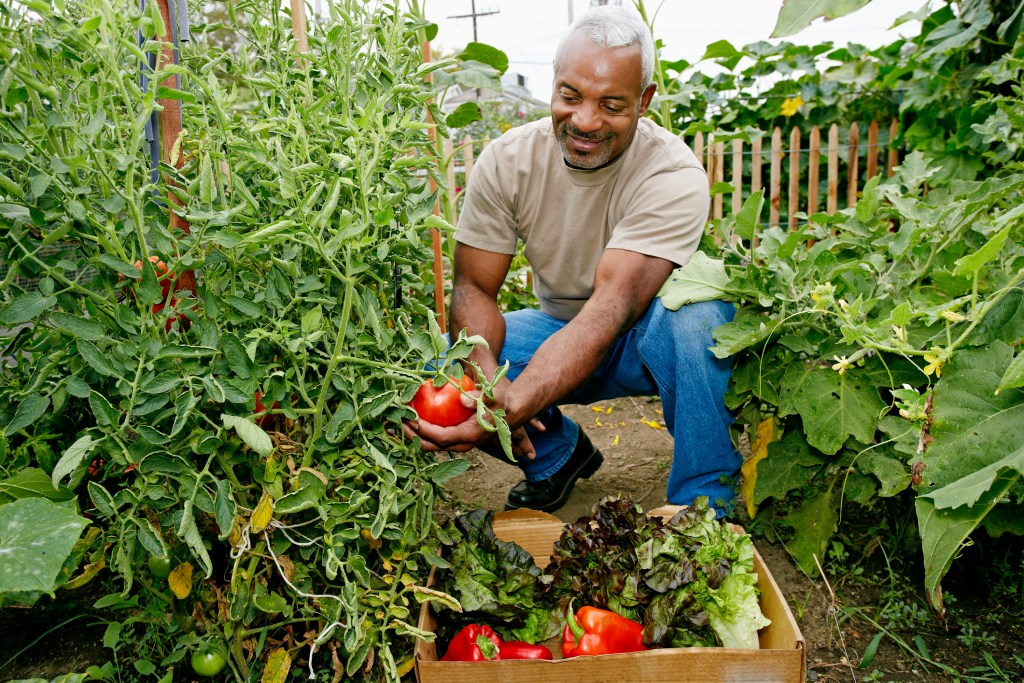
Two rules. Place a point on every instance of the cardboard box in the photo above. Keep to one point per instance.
(780, 659)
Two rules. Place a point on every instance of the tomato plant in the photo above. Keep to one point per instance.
(309, 223)
(443, 405)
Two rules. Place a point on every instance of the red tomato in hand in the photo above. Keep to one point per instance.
(443, 406)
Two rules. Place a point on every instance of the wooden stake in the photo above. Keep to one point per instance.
(299, 31)
(435, 234)
(169, 122)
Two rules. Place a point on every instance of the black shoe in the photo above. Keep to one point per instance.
(550, 494)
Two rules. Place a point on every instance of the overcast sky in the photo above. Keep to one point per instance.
(528, 30)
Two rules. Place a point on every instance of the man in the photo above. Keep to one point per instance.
(607, 204)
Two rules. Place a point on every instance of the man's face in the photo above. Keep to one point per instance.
(597, 100)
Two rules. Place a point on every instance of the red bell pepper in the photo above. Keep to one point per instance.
(519, 649)
(479, 643)
(596, 631)
(474, 643)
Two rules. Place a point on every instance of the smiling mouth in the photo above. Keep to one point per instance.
(584, 143)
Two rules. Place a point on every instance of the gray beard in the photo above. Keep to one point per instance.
(576, 160)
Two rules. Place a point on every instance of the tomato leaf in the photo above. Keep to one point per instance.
(180, 580)
(446, 470)
(26, 307)
(250, 433)
(29, 410)
(72, 458)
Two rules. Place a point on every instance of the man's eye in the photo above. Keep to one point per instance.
(567, 97)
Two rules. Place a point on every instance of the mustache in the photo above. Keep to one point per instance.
(577, 133)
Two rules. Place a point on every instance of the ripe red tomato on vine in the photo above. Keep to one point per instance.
(443, 405)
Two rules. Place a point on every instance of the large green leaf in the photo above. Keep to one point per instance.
(833, 406)
(796, 15)
(973, 427)
(813, 524)
(944, 530)
(743, 333)
(1003, 322)
(36, 536)
(790, 464)
(485, 54)
(702, 279)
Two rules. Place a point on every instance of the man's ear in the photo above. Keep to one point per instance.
(645, 98)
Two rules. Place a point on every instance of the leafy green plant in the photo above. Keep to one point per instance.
(244, 425)
(939, 84)
(883, 339)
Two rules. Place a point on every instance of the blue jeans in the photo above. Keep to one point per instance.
(666, 353)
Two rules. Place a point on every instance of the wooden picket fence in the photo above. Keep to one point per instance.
(803, 183)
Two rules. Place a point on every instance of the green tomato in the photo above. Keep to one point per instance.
(159, 567)
(207, 662)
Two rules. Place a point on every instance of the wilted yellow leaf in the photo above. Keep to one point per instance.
(651, 423)
(279, 663)
(263, 513)
(615, 441)
(180, 580)
(766, 433)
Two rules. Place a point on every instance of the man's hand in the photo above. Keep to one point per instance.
(469, 434)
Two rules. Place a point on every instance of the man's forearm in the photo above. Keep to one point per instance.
(478, 313)
(566, 360)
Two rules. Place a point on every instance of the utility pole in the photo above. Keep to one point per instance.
(473, 15)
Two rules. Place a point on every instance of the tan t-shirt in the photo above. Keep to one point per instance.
(652, 200)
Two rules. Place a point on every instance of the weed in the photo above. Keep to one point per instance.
(971, 636)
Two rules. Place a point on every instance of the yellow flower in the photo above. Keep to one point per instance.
(792, 105)
(841, 365)
(935, 364)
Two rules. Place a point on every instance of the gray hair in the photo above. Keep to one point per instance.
(616, 26)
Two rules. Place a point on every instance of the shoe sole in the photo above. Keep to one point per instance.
(585, 472)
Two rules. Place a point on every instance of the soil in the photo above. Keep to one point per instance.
(833, 614)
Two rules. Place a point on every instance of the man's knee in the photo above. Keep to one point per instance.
(692, 324)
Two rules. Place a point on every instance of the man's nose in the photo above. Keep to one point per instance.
(586, 117)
